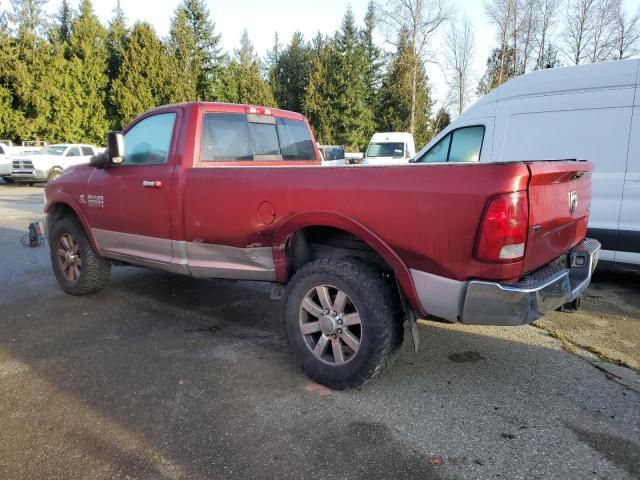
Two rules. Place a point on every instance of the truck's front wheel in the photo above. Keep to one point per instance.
(77, 267)
(341, 321)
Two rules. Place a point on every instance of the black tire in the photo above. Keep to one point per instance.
(9, 180)
(53, 174)
(374, 300)
(94, 270)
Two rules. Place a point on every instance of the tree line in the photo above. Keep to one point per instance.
(536, 34)
(72, 78)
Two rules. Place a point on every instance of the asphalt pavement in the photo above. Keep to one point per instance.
(167, 377)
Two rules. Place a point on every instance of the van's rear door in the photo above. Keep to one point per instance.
(559, 202)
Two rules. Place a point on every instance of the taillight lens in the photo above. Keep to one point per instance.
(503, 232)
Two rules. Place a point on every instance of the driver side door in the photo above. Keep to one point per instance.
(129, 204)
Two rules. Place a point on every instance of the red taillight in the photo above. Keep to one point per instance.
(503, 232)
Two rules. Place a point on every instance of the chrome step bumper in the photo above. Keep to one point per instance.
(490, 303)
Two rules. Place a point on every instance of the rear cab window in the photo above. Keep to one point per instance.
(254, 139)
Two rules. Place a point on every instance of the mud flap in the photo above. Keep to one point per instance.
(411, 318)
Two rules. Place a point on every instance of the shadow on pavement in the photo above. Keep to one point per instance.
(161, 376)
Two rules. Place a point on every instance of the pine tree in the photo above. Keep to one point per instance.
(195, 51)
(141, 84)
(117, 38)
(88, 68)
(24, 75)
(292, 74)
(62, 23)
(395, 96)
(271, 66)
(319, 93)
(242, 79)
(501, 66)
(373, 55)
(337, 95)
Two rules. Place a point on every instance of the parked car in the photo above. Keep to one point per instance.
(588, 112)
(390, 148)
(233, 191)
(5, 163)
(332, 155)
(48, 163)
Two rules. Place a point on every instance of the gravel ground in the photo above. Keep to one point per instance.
(166, 377)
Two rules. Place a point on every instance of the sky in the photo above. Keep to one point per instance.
(262, 18)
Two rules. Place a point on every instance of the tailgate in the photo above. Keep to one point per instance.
(559, 200)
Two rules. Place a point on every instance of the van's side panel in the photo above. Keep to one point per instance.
(589, 125)
(629, 234)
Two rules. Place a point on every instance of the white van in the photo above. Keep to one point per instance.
(586, 112)
(388, 148)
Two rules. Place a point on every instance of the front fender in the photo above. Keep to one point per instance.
(335, 220)
(58, 197)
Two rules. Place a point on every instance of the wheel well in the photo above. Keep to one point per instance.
(59, 211)
(316, 242)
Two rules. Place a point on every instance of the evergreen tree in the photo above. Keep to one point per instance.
(338, 85)
(88, 68)
(24, 75)
(141, 84)
(319, 93)
(196, 55)
(500, 68)
(62, 23)
(117, 38)
(440, 122)
(395, 96)
(292, 74)
(373, 55)
(242, 79)
(271, 65)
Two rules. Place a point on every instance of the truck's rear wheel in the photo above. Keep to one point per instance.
(77, 267)
(341, 321)
(9, 180)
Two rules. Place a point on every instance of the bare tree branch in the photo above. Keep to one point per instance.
(459, 51)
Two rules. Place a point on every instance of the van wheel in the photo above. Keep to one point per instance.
(77, 267)
(54, 174)
(341, 321)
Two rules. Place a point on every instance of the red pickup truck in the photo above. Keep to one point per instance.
(235, 191)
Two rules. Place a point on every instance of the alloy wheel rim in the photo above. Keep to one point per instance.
(330, 325)
(68, 254)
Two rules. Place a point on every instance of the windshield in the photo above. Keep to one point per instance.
(388, 149)
(52, 150)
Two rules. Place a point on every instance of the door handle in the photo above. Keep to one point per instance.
(151, 183)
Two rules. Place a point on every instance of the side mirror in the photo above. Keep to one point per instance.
(113, 155)
(115, 147)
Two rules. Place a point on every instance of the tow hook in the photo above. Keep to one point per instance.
(572, 306)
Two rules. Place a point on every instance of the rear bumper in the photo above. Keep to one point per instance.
(492, 303)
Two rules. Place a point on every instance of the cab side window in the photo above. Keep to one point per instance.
(149, 140)
(87, 151)
(73, 152)
(438, 153)
(466, 144)
(461, 145)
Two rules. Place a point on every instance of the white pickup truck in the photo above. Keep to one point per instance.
(48, 163)
(5, 163)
